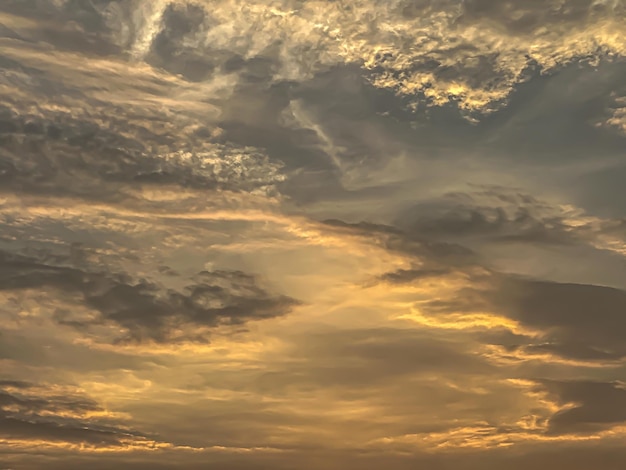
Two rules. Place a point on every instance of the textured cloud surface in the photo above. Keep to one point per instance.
(312, 234)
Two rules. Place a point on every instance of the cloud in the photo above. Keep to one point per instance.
(175, 174)
(569, 313)
(588, 406)
(238, 104)
(618, 119)
(372, 358)
(103, 157)
(170, 50)
(142, 310)
(577, 321)
(459, 287)
(35, 412)
(504, 217)
(473, 53)
(407, 242)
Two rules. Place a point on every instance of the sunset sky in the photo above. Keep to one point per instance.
(313, 234)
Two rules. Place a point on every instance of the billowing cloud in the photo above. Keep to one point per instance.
(493, 43)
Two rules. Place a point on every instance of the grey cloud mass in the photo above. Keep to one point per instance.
(142, 311)
(595, 405)
(312, 234)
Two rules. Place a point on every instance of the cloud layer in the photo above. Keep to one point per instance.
(311, 234)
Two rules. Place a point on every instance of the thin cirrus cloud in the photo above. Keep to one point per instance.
(312, 234)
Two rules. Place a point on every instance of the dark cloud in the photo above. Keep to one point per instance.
(75, 25)
(591, 406)
(54, 418)
(56, 353)
(576, 350)
(586, 315)
(38, 405)
(73, 157)
(577, 321)
(169, 50)
(14, 384)
(408, 275)
(411, 243)
(512, 218)
(142, 309)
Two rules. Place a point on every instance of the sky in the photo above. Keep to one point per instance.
(312, 234)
